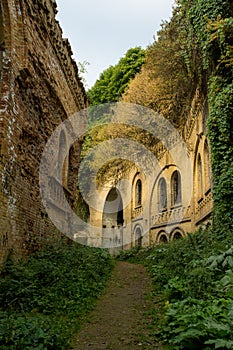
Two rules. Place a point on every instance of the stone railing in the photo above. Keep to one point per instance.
(59, 196)
(171, 216)
(204, 206)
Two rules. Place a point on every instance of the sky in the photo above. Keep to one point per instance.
(101, 31)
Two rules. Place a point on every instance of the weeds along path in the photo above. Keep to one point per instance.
(121, 319)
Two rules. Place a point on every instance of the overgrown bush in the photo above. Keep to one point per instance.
(193, 282)
(44, 299)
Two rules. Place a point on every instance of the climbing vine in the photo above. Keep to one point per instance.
(210, 42)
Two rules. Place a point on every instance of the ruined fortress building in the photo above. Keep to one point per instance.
(39, 88)
(175, 199)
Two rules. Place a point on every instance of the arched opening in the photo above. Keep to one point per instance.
(138, 193)
(138, 236)
(113, 219)
(177, 235)
(199, 177)
(162, 194)
(176, 188)
(163, 238)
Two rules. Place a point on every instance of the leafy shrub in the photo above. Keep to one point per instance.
(193, 284)
(43, 300)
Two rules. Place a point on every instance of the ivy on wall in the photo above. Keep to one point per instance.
(210, 48)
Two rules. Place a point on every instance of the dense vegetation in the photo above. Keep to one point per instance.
(193, 291)
(194, 52)
(44, 300)
(113, 81)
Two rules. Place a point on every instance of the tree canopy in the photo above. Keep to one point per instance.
(113, 82)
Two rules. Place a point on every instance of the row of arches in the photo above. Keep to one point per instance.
(167, 202)
(164, 237)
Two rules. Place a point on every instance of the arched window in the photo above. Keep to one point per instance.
(176, 188)
(138, 193)
(162, 194)
(199, 177)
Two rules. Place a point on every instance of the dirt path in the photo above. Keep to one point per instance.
(120, 320)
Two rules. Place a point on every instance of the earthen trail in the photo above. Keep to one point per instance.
(120, 320)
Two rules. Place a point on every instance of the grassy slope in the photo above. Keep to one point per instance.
(43, 300)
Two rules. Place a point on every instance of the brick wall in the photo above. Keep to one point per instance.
(40, 88)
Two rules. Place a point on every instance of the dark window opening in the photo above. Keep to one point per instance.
(138, 193)
(176, 188)
(162, 194)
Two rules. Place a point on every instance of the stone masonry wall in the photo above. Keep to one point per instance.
(39, 88)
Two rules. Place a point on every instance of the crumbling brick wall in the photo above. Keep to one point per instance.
(40, 88)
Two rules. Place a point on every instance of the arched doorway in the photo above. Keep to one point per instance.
(113, 219)
(138, 235)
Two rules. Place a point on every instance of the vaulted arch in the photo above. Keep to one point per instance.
(113, 219)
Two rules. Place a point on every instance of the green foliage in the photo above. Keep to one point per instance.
(165, 82)
(43, 300)
(114, 80)
(128, 254)
(193, 278)
(220, 125)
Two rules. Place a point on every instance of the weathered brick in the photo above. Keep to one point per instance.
(40, 88)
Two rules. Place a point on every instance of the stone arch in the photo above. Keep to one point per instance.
(154, 198)
(162, 237)
(176, 191)
(177, 233)
(138, 233)
(112, 219)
